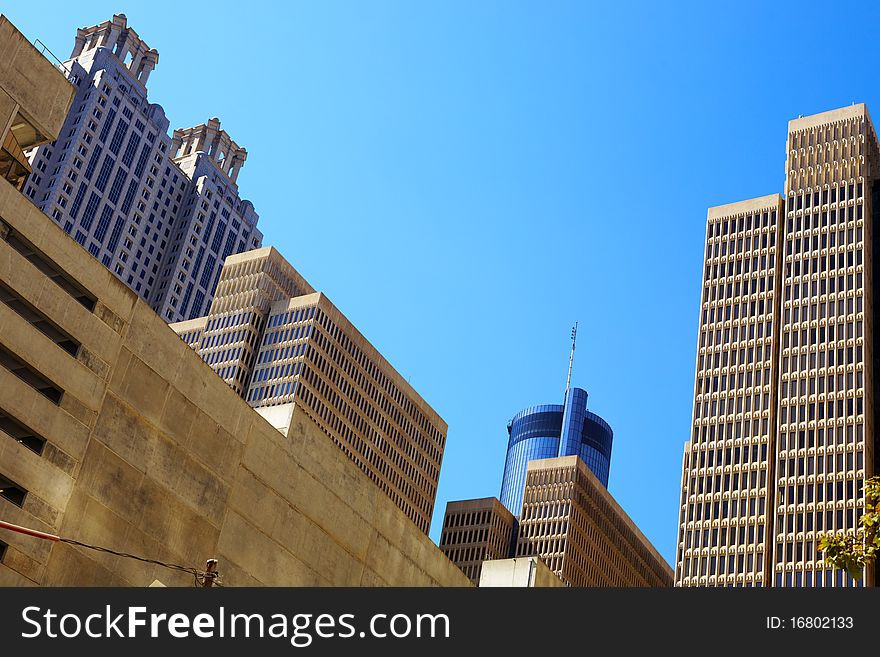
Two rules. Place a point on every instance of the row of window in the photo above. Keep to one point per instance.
(809, 291)
(747, 428)
(829, 132)
(831, 357)
(728, 455)
(822, 436)
(830, 410)
(740, 245)
(835, 193)
(757, 221)
(829, 492)
(737, 481)
(807, 232)
(736, 335)
(727, 538)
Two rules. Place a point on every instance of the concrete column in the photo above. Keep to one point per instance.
(111, 36)
(136, 58)
(123, 47)
(151, 58)
(92, 40)
(199, 140)
(216, 147)
(117, 26)
(79, 43)
(225, 148)
(237, 163)
(176, 143)
(212, 138)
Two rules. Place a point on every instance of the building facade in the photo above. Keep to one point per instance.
(550, 430)
(276, 341)
(160, 212)
(783, 435)
(475, 531)
(571, 522)
(114, 433)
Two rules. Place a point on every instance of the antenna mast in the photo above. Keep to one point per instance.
(574, 332)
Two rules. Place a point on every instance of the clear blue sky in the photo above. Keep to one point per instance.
(466, 179)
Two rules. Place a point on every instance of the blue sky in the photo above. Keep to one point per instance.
(465, 180)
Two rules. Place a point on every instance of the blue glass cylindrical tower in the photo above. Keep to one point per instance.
(595, 447)
(534, 434)
(551, 430)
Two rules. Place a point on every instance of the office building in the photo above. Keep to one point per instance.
(783, 423)
(114, 433)
(277, 342)
(160, 212)
(551, 430)
(571, 521)
(475, 531)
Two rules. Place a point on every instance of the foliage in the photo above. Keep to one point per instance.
(853, 552)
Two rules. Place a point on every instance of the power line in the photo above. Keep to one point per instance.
(206, 578)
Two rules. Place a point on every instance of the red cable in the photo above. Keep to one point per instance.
(28, 532)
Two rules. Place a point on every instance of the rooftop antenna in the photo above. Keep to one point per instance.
(574, 332)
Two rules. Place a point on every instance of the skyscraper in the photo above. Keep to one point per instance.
(161, 213)
(735, 399)
(550, 430)
(783, 424)
(278, 343)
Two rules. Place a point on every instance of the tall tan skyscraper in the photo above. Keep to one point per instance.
(727, 463)
(783, 434)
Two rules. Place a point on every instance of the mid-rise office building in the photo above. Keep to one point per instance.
(571, 521)
(277, 342)
(475, 531)
(551, 430)
(783, 425)
(160, 212)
